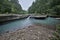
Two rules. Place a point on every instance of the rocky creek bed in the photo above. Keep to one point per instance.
(33, 32)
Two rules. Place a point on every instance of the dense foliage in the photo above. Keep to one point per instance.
(10, 6)
(45, 7)
(56, 33)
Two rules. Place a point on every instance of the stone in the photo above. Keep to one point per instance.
(30, 30)
(39, 32)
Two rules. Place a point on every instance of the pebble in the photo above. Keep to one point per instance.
(30, 30)
(38, 37)
(49, 35)
(34, 38)
(19, 39)
(39, 32)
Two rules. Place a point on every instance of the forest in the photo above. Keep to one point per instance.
(51, 7)
(10, 6)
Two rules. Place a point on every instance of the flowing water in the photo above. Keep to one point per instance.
(19, 24)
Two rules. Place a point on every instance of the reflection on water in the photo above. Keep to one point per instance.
(26, 22)
(47, 21)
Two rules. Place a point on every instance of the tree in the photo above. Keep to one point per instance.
(45, 6)
(10, 6)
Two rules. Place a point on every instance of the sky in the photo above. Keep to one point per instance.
(26, 4)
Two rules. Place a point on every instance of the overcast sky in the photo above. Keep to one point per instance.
(25, 3)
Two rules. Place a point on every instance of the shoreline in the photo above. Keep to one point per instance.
(30, 33)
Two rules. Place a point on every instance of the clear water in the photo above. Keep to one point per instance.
(12, 26)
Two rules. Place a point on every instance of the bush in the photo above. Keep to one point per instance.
(57, 33)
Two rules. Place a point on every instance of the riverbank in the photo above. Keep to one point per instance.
(33, 32)
(10, 17)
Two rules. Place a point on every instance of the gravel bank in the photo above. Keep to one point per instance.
(33, 32)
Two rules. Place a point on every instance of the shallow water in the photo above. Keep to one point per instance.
(19, 24)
